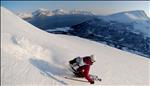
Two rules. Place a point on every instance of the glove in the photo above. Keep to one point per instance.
(92, 82)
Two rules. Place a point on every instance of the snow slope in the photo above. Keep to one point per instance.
(30, 56)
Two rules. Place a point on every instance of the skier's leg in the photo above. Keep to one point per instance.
(72, 64)
(79, 74)
(72, 61)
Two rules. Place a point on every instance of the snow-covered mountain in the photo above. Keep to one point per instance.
(128, 16)
(38, 13)
(137, 18)
(25, 15)
(129, 31)
(59, 12)
(46, 12)
(116, 34)
(30, 56)
(42, 12)
(46, 19)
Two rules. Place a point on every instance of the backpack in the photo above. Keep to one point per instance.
(79, 62)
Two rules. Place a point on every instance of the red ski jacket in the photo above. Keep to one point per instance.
(85, 69)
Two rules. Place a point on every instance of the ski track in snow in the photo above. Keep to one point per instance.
(23, 49)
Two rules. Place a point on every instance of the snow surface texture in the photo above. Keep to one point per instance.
(30, 56)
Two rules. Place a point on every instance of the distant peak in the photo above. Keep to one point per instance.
(128, 16)
(43, 9)
(136, 13)
(46, 12)
(58, 12)
(42, 12)
(81, 12)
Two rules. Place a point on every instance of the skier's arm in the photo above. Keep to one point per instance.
(86, 74)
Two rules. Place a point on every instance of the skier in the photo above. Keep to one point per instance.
(81, 67)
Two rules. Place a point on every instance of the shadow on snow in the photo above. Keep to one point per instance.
(48, 69)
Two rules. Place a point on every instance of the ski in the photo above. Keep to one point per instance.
(75, 79)
(94, 77)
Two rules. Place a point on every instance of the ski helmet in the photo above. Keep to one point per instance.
(92, 58)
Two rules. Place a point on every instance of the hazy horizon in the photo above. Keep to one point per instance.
(96, 7)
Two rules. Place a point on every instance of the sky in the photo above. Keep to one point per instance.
(96, 7)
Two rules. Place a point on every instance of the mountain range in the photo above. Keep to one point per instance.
(46, 19)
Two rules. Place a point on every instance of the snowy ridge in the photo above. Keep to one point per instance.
(25, 15)
(127, 16)
(138, 18)
(31, 56)
(58, 12)
(42, 12)
(47, 12)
